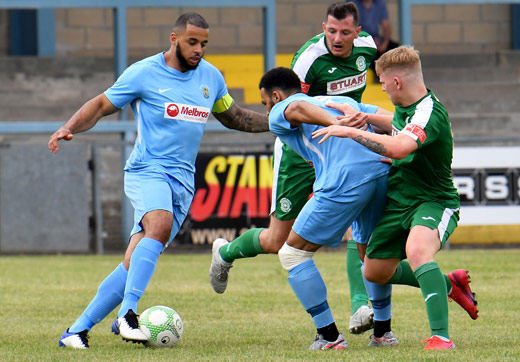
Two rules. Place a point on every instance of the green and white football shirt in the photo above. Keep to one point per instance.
(322, 73)
(425, 174)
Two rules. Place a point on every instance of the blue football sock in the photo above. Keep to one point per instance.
(142, 266)
(381, 298)
(109, 295)
(309, 287)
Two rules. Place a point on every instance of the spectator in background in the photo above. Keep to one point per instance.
(373, 18)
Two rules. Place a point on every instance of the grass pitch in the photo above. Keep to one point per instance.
(258, 317)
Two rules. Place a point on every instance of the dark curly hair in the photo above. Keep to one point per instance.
(280, 78)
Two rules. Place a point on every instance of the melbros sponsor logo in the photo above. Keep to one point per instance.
(186, 112)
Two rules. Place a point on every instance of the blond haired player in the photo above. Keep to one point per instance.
(422, 207)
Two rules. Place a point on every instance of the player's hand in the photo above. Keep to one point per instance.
(342, 107)
(335, 130)
(61, 134)
(351, 116)
(356, 120)
(387, 160)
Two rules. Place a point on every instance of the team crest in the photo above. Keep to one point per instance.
(361, 64)
(285, 205)
(205, 90)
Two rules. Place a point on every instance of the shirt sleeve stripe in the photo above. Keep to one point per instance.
(365, 41)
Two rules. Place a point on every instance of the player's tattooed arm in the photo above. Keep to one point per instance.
(397, 147)
(243, 119)
(371, 144)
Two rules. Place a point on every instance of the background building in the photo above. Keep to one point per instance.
(457, 27)
(53, 60)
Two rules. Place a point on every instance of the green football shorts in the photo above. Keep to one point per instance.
(389, 237)
(292, 182)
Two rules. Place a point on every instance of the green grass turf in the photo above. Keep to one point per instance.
(258, 318)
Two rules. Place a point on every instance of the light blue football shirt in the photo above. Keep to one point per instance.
(171, 110)
(340, 163)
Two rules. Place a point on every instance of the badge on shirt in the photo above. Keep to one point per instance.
(416, 131)
(361, 63)
(205, 90)
(305, 87)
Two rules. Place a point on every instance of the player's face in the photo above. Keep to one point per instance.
(267, 100)
(191, 45)
(340, 35)
(389, 82)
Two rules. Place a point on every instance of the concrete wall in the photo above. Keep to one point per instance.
(36, 210)
(450, 28)
(462, 28)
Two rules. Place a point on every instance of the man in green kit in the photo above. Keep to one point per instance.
(422, 208)
(334, 62)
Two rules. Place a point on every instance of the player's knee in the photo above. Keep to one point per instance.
(271, 243)
(417, 257)
(375, 275)
(158, 225)
(291, 257)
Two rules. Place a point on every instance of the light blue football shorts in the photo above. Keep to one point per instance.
(324, 220)
(150, 190)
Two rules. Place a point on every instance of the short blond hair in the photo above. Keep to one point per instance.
(401, 58)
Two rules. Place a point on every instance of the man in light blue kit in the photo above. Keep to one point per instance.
(350, 189)
(172, 95)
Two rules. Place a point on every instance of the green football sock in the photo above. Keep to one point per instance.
(448, 283)
(358, 292)
(404, 275)
(433, 288)
(246, 245)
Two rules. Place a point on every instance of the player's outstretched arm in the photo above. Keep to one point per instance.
(84, 119)
(381, 121)
(298, 112)
(236, 117)
(397, 147)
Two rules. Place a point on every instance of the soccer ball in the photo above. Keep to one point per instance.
(162, 325)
